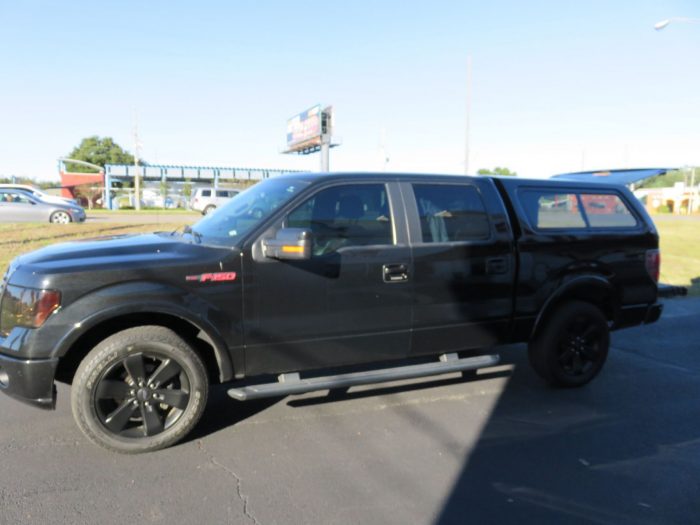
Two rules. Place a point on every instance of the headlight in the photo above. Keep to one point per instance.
(26, 307)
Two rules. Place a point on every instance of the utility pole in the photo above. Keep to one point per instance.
(137, 182)
(693, 191)
(468, 114)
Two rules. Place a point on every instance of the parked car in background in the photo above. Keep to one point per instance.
(206, 200)
(154, 199)
(39, 194)
(22, 206)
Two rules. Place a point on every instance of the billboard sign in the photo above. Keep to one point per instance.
(304, 128)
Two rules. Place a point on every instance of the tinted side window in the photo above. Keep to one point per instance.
(451, 213)
(222, 193)
(206, 193)
(607, 211)
(350, 215)
(549, 210)
(14, 198)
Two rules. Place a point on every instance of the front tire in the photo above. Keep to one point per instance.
(60, 217)
(139, 390)
(573, 345)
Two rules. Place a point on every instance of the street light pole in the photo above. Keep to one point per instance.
(468, 115)
(137, 181)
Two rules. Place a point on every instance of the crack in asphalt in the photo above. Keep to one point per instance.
(232, 474)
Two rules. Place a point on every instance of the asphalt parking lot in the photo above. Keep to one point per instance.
(500, 447)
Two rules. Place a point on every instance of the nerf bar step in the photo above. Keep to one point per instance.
(288, 384)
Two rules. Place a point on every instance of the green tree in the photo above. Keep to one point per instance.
(667, 180)
(497, 171)
(164, 190)
(187, 191)
(100, 151)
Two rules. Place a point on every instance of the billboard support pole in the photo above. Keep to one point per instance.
(325, 153)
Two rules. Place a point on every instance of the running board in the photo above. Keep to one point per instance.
(292, 384)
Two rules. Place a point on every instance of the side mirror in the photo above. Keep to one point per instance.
(289, 244)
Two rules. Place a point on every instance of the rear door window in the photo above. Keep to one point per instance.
(451, 213)
(206, 193)
(14, 198)
(222, 193)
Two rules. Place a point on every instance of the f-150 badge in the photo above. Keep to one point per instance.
(212, 277)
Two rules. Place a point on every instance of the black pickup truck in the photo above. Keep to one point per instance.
(309, 282)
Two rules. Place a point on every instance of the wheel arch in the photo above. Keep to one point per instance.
(76, 345)
(594, 289)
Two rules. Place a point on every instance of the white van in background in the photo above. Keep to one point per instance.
(206, 200)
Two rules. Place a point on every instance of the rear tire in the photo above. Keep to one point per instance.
(139, 390)
(572, 347)
(208, 210)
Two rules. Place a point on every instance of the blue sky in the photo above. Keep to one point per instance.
(557, 86)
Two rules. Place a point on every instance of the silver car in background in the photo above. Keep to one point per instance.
(21, 206)
(39, 194)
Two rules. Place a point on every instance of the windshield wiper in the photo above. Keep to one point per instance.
(188, 230)
(177, 230)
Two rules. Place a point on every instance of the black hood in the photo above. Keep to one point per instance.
(135, 254)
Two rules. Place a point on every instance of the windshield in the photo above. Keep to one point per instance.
(246, 210)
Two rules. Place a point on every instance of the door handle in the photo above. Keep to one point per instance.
(395, 273)
(497, 265)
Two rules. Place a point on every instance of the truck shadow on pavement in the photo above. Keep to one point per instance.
(378, 390)
(223, 412)
(622, 450)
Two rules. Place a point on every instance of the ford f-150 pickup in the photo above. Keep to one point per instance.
(300, 279)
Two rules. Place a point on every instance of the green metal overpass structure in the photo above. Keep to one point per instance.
(121, 173)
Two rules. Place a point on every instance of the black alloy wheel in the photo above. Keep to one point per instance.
(142, 395)
(579, 346)
(572, 345)
(139, 390)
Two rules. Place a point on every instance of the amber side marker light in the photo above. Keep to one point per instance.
(293, 249)
(27, 307)
(47, 303)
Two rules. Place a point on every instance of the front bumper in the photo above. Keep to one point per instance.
(29, 380)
